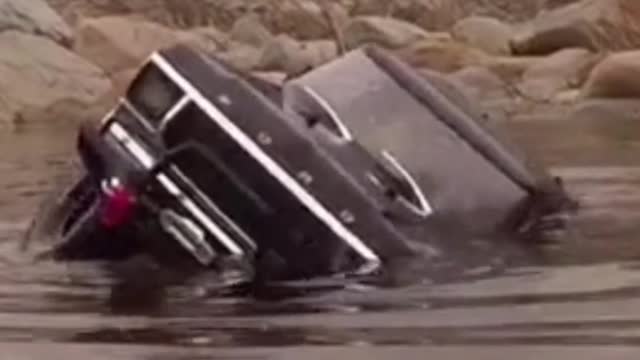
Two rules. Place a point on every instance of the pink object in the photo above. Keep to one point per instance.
(118, 207)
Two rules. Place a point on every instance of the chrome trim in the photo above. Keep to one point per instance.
(175, 110)
(345, 133)
(130, 144)
(423, 207)
(213, 207)
(177, 225)
(265, 160)
(132, 109)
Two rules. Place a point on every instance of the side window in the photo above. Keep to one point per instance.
(153, 94)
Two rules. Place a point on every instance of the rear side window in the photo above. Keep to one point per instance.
(153, 94)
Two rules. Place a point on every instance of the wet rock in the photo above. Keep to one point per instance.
(591, 24)
(387, 32)
(34, 17)
(485, 33)
(118, 43)
(293, 57)
(617, 76)
(561, 71)
(41, 81)
(250, 30)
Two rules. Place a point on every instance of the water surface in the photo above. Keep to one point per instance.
(581, 302)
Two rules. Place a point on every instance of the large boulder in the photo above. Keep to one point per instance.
(433, 15)
(485, 33)
(293, 57)
(172, 13)
(617, 76)
(242, 56)
(117, 43)
(304, 19)
(442, 14)
(591, 24)
(42, 81)
(250, 30)
(480, 83)
(442, 54)
(556, 73)
(34, 17)
(387, 32)
(511, 68)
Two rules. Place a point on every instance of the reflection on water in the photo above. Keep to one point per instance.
(583, 297)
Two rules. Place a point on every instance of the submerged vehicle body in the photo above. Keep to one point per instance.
(339, 170)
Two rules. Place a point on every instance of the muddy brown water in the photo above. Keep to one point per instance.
(582, 303)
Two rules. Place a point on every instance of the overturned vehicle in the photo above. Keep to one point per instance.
(338, 171)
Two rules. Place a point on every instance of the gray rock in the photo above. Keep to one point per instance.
(481, 83)
(617, 76)
(319, 52)
(485, 33)
(561, 71)
(302, 19)
(118, 43)
(250, 30)
(34, 17)
(286, 54)
(283, 53)
(243, 57)
(207, 38)
(442, 54)
(590, 24)
(41, 81)
(434, 15)
(387, 32)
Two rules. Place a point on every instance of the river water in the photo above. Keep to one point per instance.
(582, 302)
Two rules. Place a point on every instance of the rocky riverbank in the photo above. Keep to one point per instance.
(65, 61)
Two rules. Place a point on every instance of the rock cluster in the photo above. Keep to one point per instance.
(65, 60)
